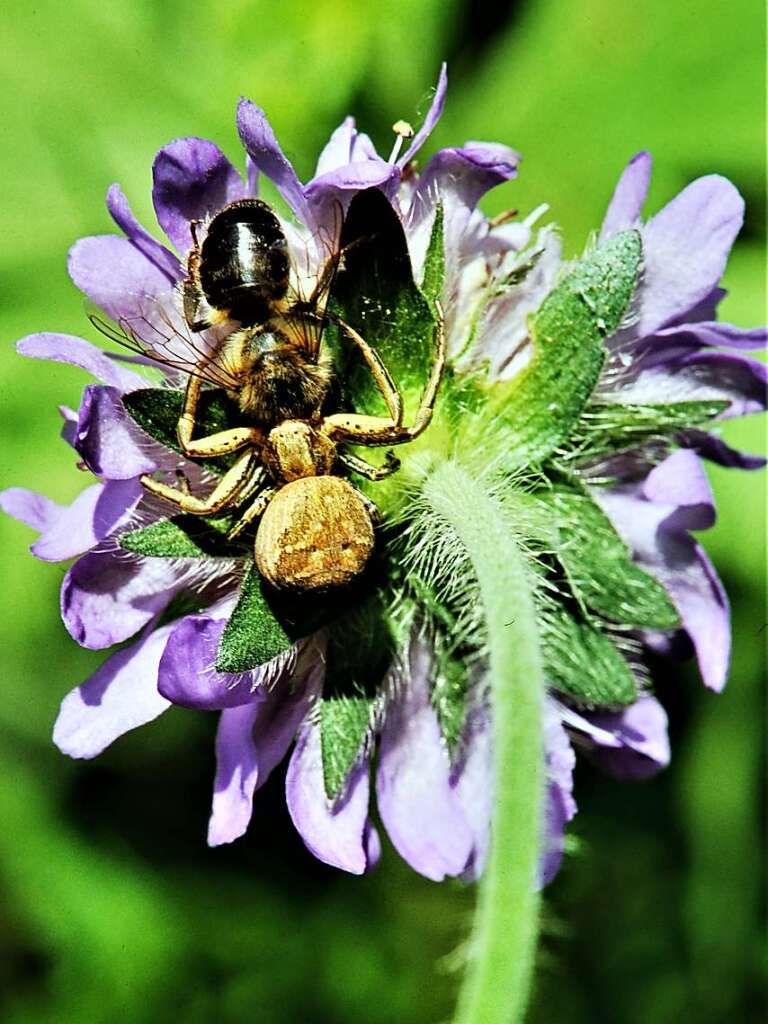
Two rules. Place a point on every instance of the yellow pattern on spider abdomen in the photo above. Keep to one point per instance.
(316, 532)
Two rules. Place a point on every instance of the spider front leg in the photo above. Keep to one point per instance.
(380, 373)
(356, 428)
(224, 495)
(223, 442)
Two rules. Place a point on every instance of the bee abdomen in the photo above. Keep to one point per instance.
(315, 533)
(244, 262)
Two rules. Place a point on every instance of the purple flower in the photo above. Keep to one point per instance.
(435, 799)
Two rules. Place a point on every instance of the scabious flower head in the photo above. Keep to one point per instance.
(582, 395)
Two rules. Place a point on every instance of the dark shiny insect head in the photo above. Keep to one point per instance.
(240, 271)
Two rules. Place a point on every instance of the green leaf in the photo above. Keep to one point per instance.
(582, 662)
(449, 691)
(254, 634)
(434, 262)
(599, 566)
(345, 724)
(157, 412)
(609, 427)
(360, 651)
(376, 294)
(267, 621)
(542, 403)
(182, 537)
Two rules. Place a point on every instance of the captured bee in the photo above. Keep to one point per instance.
(316, 529)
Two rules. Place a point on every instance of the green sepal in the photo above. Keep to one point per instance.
(360, 650)
(599, 567)
(540, 405)
(254, 634)
(267, 621)
(433, 277)
(583, 663)
(157, 412)
(450, 683)
(345, 724)
(609, 427)
(182, 537)
(375, 293)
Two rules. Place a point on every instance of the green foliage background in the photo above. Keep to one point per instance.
(111, 906)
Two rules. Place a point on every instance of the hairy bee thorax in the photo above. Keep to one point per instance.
(276, 380)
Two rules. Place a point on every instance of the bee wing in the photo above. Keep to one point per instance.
(157, 331)
(315, 262)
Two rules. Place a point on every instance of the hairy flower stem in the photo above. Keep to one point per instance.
(498, 981)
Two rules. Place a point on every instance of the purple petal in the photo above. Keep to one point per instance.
(250, 742)
(680, 481)
(262, 147)
(157, 254)
(685, 249)
(66, 348)
(710, 446)
(346, 146)
(416, 802)
(667, 375)
(107, 439)
(712, 333)
(703, 605)
(107, 597)
(433, 116)
(656, 531)
(338, 834)
(641, 730)
(192, 180)
(120, 696)
(69, 426)
(188, 676)
(33, 509)
(473, 786)
(503, 329)
(335, 189)
(91, 517)
(115, 275)
(704, 310)
(627, 203)
(560, 806)
(463, 175)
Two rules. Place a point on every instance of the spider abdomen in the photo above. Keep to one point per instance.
(315, 533)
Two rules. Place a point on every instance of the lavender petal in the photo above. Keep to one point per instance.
(120, 696)
(107, 598)
(628, 200)
(66, 348)
(192, 180)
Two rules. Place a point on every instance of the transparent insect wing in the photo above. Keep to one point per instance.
(157, 330)
(314, 260)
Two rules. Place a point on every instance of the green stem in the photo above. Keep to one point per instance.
(498, 980)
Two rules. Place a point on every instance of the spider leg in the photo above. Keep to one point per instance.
(355, 428)
(252, 512)
(358, 465)
(223, 496)
(380, 373)
(223, 442)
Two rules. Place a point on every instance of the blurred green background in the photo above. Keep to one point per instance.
(111, 906)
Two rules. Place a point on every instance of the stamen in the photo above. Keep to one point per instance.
(534, 215)
(403, 131)
(502, 218)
